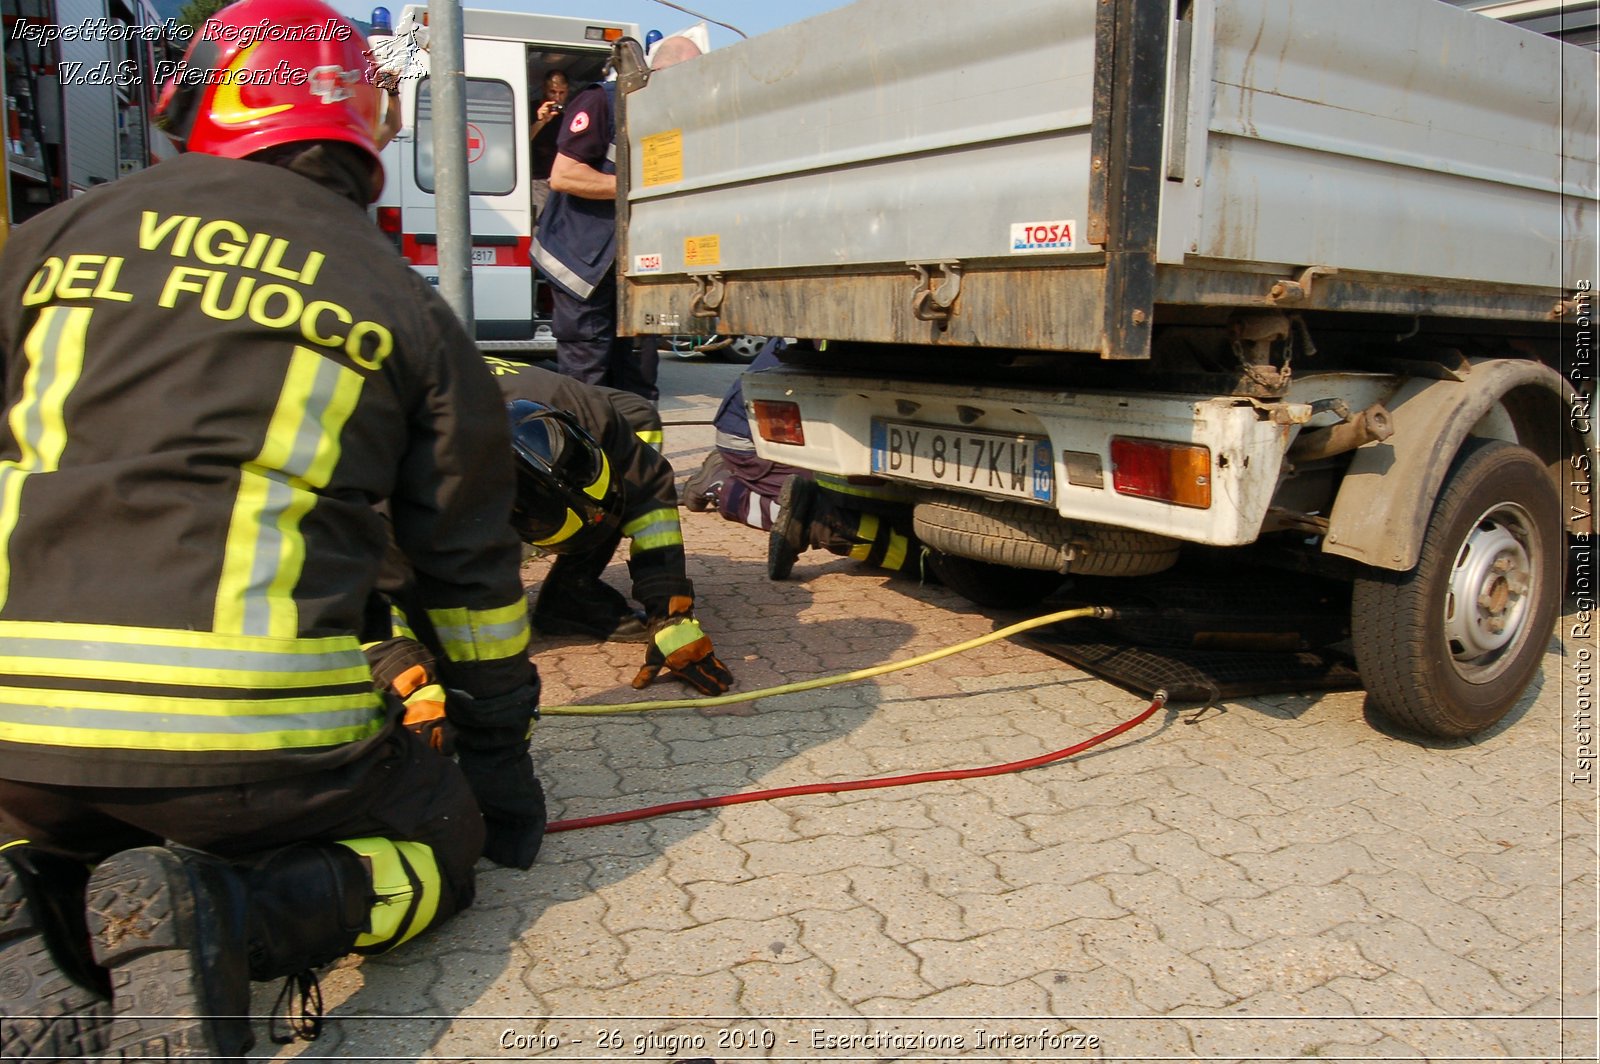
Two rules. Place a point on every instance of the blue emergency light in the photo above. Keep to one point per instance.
(380, 21)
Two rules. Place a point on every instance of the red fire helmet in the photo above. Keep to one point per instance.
(261, 73)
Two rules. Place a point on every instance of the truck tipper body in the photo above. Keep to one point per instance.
(1110, 282)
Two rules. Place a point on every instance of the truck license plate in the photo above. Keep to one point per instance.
(1018, 466)
(483, 256)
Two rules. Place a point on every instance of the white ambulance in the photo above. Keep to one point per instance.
(508, 55)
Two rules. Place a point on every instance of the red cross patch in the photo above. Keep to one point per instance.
(579, 123)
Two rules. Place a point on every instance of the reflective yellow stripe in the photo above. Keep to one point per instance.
(652, 438)
(654, 530)
(895, 557)
(54, 348)
(597, 490)
(674, 637)
(178, 658)
(104, 720)
(880, 492)
(569, 528)
(265, 551)
(482, 635)
(400, 623)
(264, 693)
(406, 886)
(866, 532)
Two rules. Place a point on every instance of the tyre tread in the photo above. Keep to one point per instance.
(1391, 614)
(1020, 536)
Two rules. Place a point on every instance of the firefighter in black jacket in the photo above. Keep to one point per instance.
(213, 370)
(642, 500)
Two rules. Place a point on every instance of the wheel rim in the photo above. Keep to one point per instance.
(747, 347)
(1491, 592)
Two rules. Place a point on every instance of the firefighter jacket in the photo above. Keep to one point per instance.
(575, 243)
(617, 421)
(214, 371)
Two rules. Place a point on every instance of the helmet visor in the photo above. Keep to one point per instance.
(564, 487)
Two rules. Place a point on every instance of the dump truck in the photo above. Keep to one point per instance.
(1111, 283)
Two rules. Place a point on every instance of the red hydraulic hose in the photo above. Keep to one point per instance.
(630, 815)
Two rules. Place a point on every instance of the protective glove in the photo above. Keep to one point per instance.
(406, 668)
(680, 646)
(495, 760)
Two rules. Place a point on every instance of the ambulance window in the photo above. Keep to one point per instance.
(491, 138)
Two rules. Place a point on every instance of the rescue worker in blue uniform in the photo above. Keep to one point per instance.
(214, 371)
(574, 245)
(637, 484)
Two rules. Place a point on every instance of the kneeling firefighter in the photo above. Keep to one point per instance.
(213, 371)
(576, 498)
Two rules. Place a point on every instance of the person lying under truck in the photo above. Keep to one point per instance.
(857, 517)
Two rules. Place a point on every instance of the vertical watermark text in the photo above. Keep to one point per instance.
(1579, 365)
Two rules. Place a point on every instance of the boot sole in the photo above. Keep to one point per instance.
(791, 528)
(145, 926)
(44, 1014)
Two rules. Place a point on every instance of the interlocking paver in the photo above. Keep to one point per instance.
(1274, 1023)
(778, 894)
(1205, 877)
(1002, 958)
(1452, 983)
(910, 909)
(866, 963)
(1285, 965)
(794, 988)
(703, 948)
(1278, 877)
(1164, 978)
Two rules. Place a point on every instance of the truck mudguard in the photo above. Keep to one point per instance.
(1388, 493)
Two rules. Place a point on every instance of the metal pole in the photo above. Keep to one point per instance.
(448, 86)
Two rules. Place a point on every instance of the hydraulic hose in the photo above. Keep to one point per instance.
(875, 783)
(627, 816)
(1099, 612)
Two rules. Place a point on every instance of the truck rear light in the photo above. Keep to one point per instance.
(389, 224)
(1171, 472)
(779, 422)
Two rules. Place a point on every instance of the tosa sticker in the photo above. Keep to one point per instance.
(647, 263)
(1030, 237)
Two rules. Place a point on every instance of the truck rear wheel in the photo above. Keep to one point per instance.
(1000, 587)
(1447, 649)
(1019, 536)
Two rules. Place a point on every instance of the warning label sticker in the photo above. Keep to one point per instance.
(702, 250)
(662, 161)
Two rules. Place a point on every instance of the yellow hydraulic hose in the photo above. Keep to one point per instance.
(1100, 612)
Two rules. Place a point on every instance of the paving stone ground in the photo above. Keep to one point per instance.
(1280, 878)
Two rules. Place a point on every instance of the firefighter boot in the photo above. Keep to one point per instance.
(55, 1002)
(583, 606)
(703, 490)
(791, 528)
(172, 933)
(183, 934)
(509, 794)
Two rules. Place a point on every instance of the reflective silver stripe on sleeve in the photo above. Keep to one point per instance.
(557, 270)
